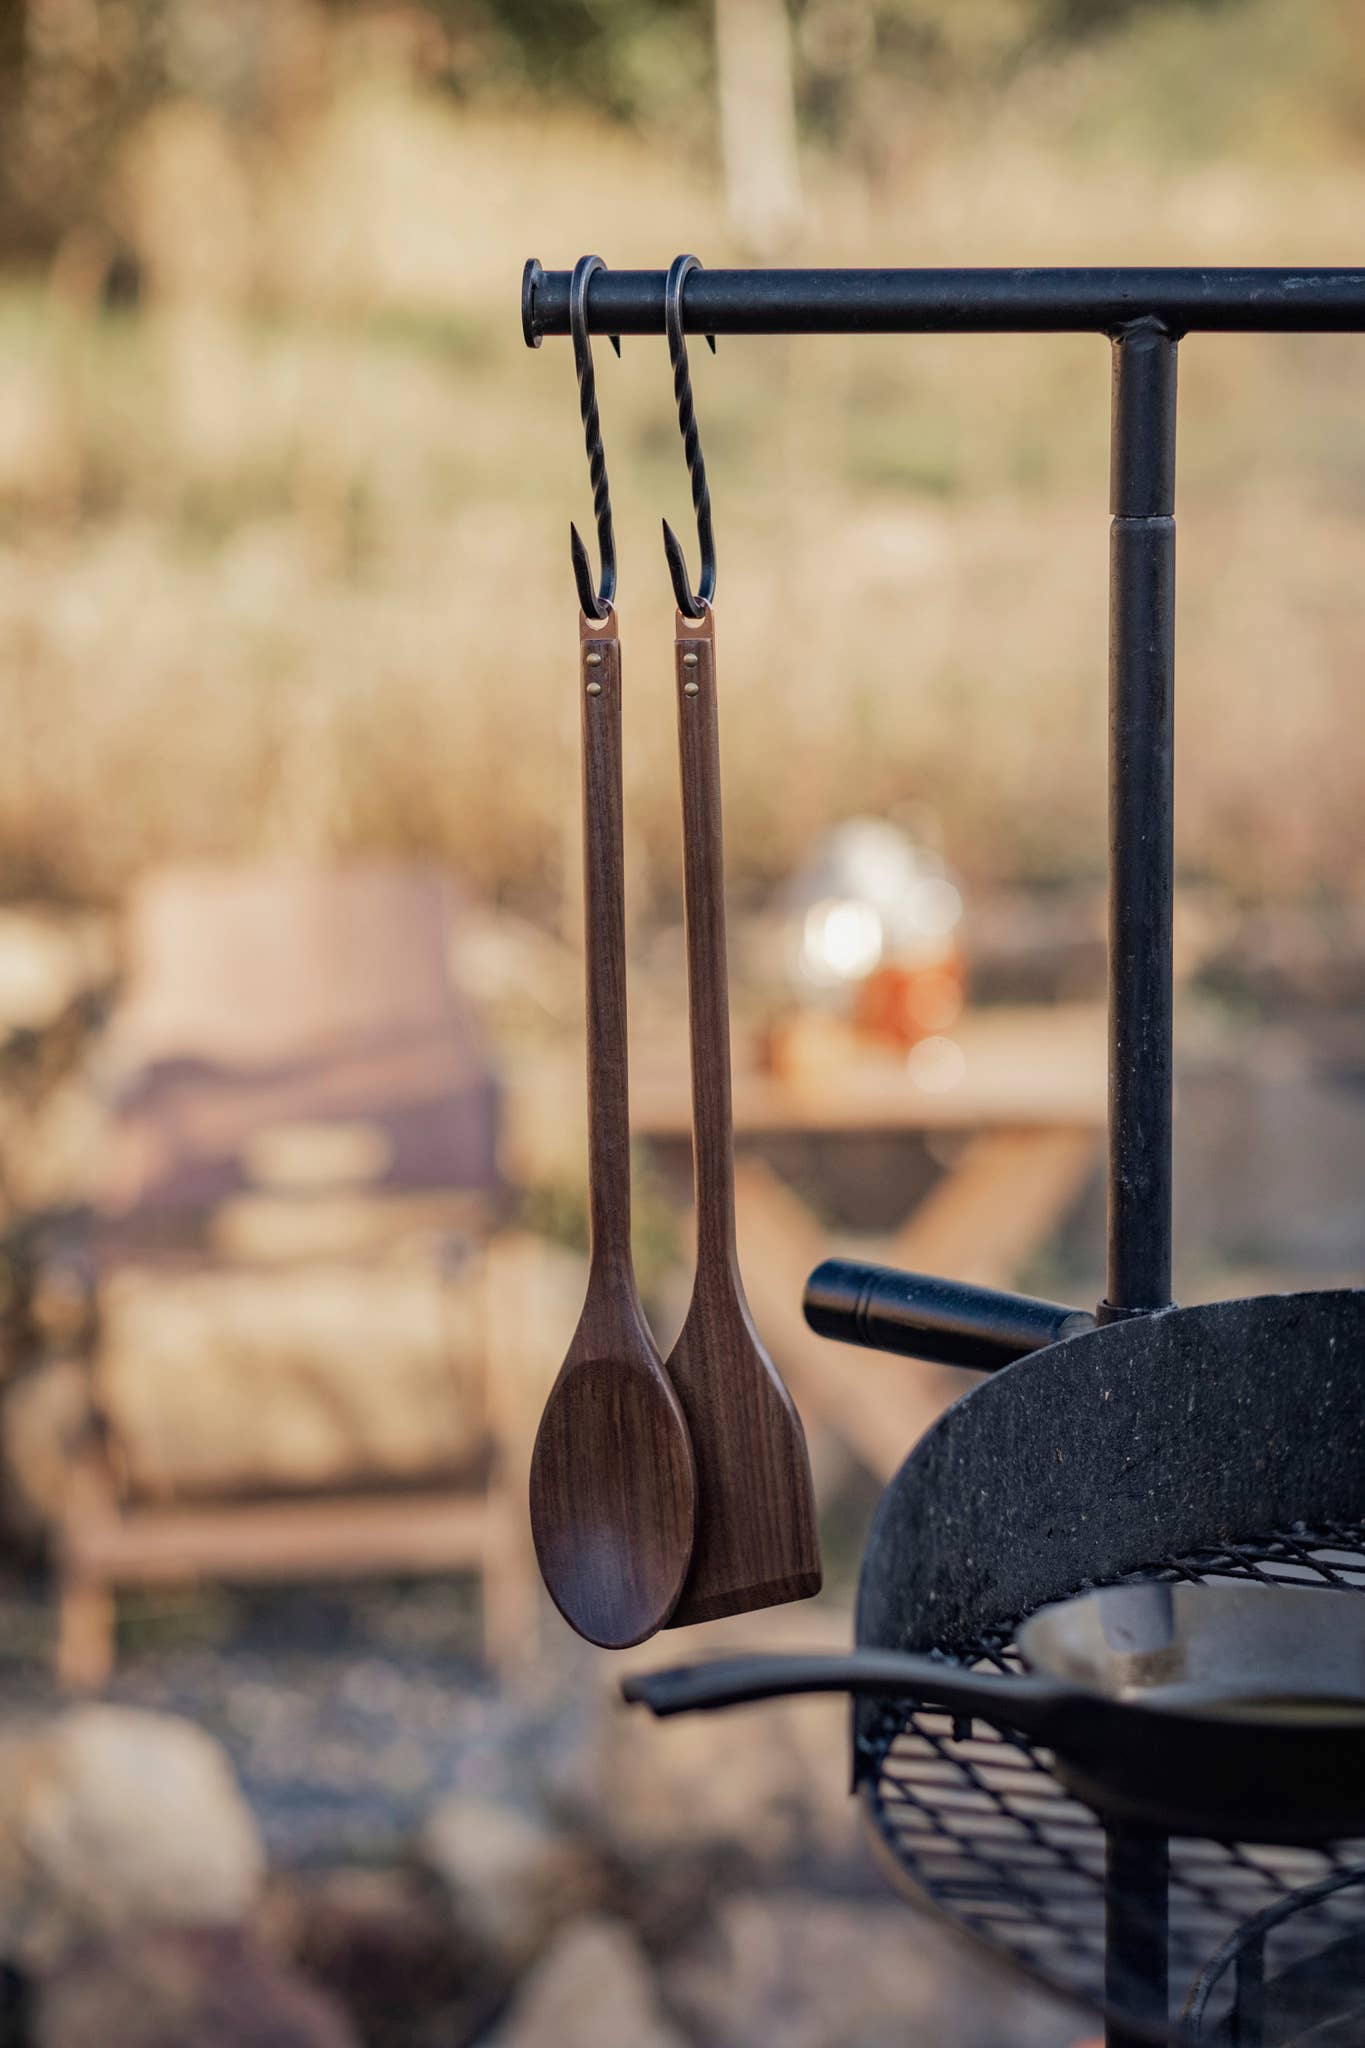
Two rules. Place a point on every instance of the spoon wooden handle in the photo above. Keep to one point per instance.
(604, 916)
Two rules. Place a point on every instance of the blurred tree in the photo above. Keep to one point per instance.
(757, 98)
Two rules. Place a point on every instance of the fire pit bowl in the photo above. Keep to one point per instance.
(1211, 1443)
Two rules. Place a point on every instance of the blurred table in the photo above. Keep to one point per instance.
(1029, 1067)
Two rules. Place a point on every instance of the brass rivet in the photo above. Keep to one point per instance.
(594, 689)
(691, 689)
(689, 661)
(592, 660)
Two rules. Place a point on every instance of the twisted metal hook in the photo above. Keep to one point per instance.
(692, 605)
(596, 604)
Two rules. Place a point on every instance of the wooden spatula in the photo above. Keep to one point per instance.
(613, 1491)
(756, 1542)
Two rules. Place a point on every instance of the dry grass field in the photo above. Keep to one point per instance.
(283, 557)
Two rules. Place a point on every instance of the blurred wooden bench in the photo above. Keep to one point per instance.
(299, 1077)
(105, 1542)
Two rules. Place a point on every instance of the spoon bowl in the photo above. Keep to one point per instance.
(612, 1484)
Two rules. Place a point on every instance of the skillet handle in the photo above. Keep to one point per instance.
(943, 1320)
(1032, 1705)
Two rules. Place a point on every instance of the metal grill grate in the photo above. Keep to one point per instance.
(980, 1827)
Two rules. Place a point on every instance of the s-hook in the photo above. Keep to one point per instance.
(692, 605)
(596, 606)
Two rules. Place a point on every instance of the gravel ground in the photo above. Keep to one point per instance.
(346, 1712)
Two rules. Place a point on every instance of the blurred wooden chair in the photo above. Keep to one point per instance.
(297, 1269)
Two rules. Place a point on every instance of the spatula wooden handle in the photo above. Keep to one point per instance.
(708, 988)
(604, 918)
(756, 1542)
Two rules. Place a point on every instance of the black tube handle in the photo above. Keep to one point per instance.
(945, 1321)
(1034, 1705)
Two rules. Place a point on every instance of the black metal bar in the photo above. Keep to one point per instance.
(918, 1316)
(1141, 809)
(1137, 1934)
(954, 301)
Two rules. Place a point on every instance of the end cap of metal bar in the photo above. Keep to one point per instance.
(530, 278)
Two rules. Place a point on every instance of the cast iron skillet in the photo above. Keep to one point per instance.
(1183, 1709)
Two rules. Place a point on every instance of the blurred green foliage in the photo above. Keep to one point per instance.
(645, 59)
(943, 48)
(75, 77)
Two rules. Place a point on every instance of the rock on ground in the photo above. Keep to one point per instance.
(773, 1793)
(511, 1877)
(183, 1988)
(380, 1941)
(591, 1989)
(766, 1796)
(803, 1972)
(111, 1817)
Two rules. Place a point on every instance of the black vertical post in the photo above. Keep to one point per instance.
(1136, 1946)
(1141, 675)
(1141, 858)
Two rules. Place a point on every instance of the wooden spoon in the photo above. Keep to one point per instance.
(613, 1487)
(757, 1543)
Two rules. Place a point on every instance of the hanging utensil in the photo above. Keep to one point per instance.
(1183, 1709)
(757, 1542)
(613, 1492)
